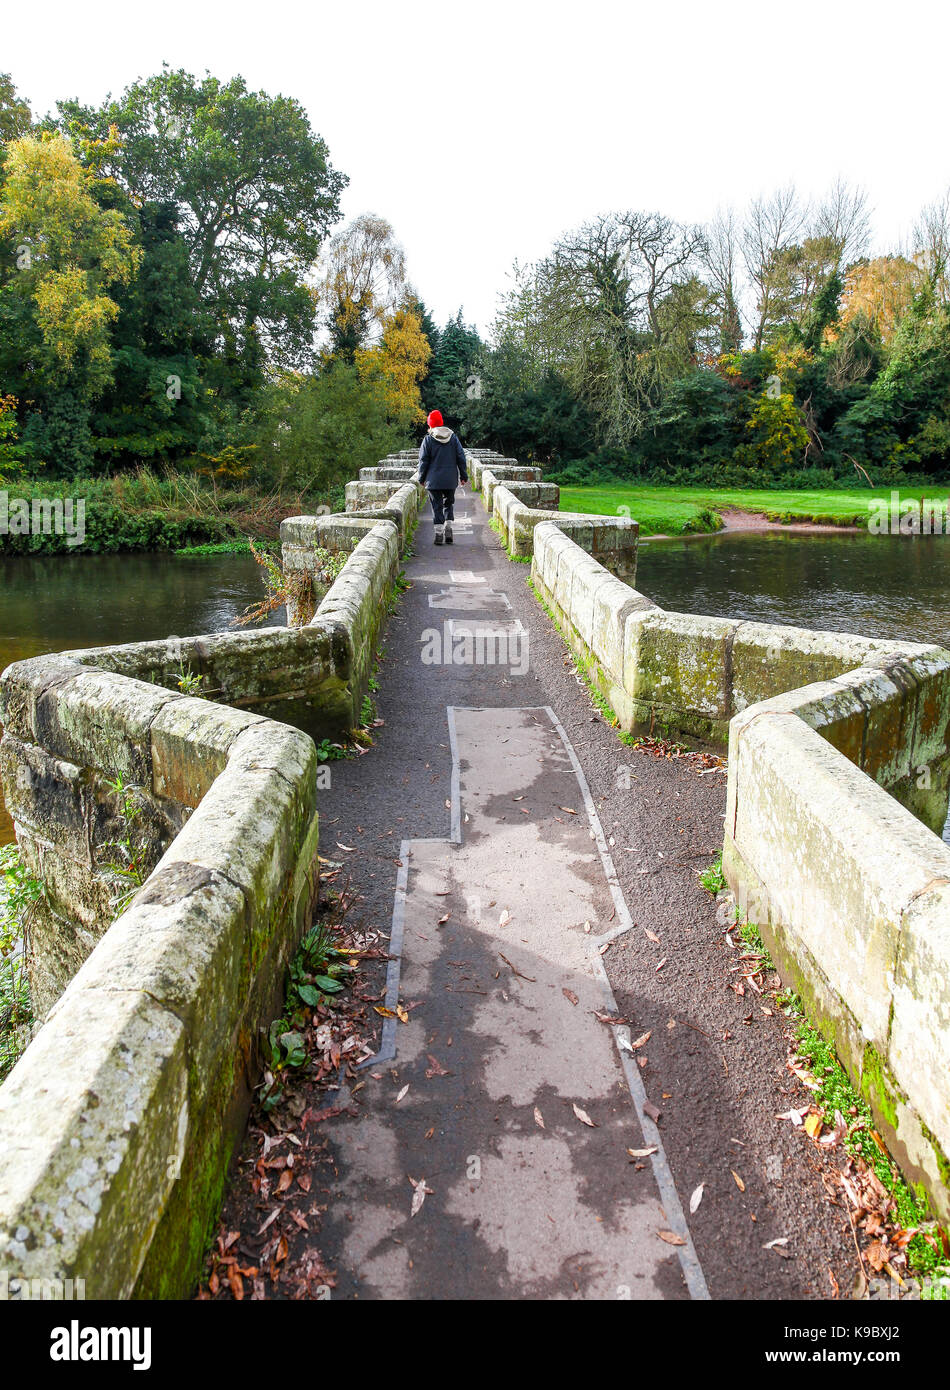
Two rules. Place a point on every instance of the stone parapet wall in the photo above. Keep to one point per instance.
(505, 470)
(119, 1121)
(839, 764)
(385, 502)
(612, 540)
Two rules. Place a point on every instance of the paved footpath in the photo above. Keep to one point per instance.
(477, 836)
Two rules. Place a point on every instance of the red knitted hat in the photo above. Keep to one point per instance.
(435, 419)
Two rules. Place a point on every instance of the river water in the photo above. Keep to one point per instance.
(50, 603)
(878, 586)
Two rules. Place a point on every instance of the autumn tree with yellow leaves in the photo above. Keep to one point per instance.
(68, 253)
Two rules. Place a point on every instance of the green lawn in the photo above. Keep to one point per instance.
(675, 510)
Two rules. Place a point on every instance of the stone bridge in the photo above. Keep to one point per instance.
(119, 1122)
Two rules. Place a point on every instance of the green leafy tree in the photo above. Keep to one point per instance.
(156, 408)
(66, 257)
(16, 119)
(254, 195)
(456, 351)
(314, 433)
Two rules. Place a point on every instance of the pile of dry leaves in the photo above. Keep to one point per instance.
(265, 1246)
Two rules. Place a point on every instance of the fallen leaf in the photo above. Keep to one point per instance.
(876, 1256)
(661, 965)
(383, 1011)
(835, 1136)
(813, 1126)
(539, 1118)
(652, 936)
(583, 1116)
(643, 1038)
(505, 918)
(569, 995)
(671, 1238)
(273, 1217)
(350, 849)
(567, 810)
(796, 1116)
(587, 926)
(697, 1197)
(643, 1153)
(418, 1194)
(401, 1014)
(442, 920)
(739, 1183)
(401, 1094)
(286, 1178)
(435, 1068)
(650, 1109)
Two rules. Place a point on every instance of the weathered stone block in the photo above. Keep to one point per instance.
(919, 1050)
(190, 742)
(93, 1118)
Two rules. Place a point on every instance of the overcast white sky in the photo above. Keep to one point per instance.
(483, 131)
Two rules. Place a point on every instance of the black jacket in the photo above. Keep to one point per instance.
(442, 460)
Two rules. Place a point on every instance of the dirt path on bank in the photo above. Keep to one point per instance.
(564, 868)
(735, 520)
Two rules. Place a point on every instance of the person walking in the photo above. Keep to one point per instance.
(442, 469)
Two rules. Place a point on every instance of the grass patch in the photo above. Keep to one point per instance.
(216, 548)
(712, 879)
(678, 511)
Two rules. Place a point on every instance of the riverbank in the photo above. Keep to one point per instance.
(148, 511)
(678, 511)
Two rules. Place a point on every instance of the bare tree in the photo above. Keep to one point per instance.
(620, 294)
(931, 239)
(720, 259)
(844, 218)
(773, 225)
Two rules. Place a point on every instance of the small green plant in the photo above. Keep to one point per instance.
(328, 752)
(368, 711)
(131, 863)
(319, 970)
(189, 682)
(712, 879)
(20, 893)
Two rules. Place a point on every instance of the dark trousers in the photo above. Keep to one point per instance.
(443, 504)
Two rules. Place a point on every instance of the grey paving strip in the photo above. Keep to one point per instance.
(508, 1092)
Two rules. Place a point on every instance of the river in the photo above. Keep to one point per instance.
(50, 603)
